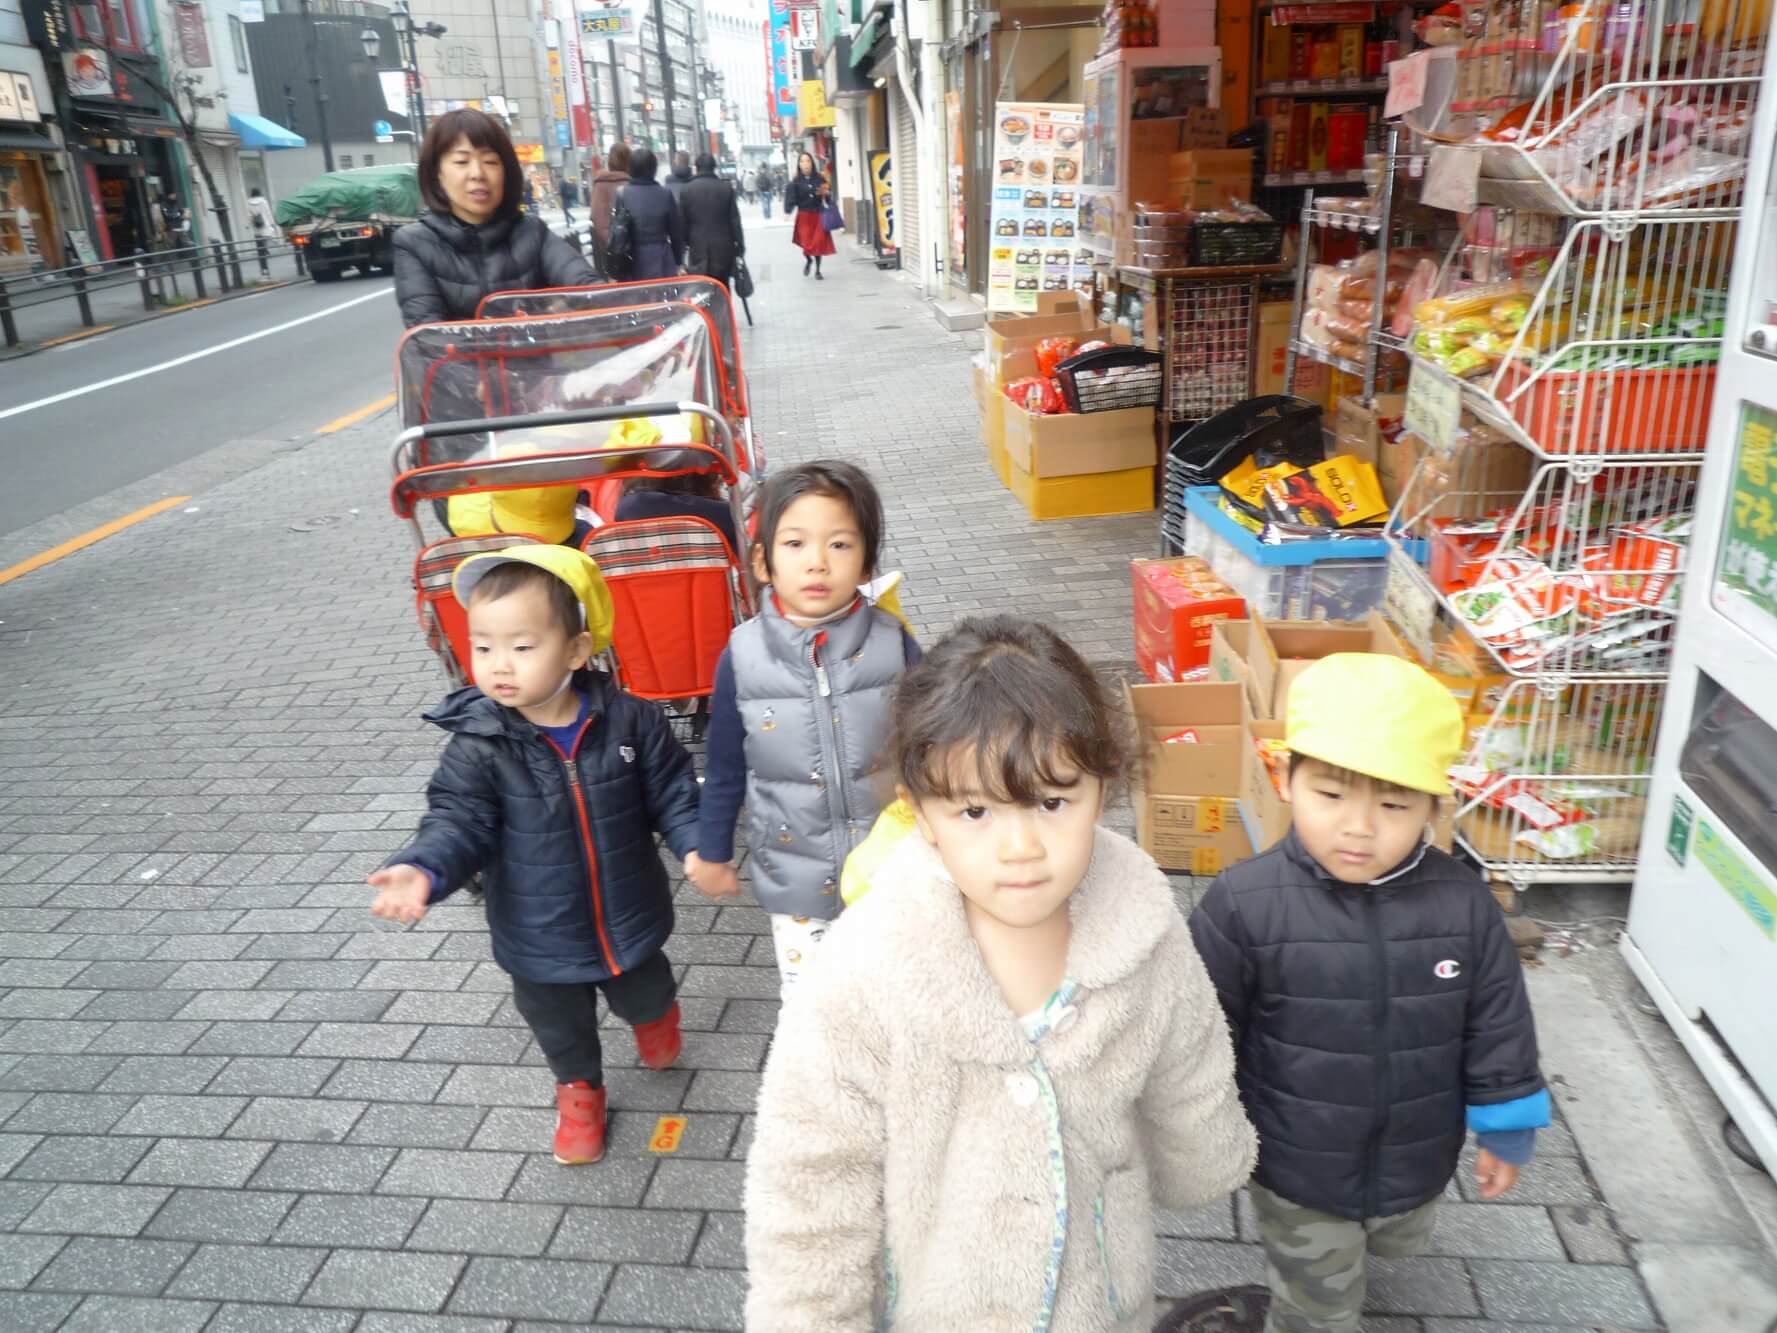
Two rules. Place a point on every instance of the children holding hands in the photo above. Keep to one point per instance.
(801, 707)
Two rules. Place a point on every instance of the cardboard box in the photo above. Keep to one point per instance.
(1023, 332)
(1489, 476)
(1090, 495)
(1211, 177)
(1273, 348)
(1073, 444)
(1203, 127)
(1175, 618)
(1363, 429)
(1267, 655)
(1234, 657)
(993, 424)
(1187, 802)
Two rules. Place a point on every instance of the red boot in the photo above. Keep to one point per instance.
(659, 1042)
(579, 1123)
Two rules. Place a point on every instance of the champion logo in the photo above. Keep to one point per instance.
(629, 757)
(1448, 968)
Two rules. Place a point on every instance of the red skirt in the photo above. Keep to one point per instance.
(812, 238)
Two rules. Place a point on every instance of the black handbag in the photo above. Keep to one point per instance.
(743, 279)
(620, 243)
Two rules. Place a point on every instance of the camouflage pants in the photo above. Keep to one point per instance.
(1316, 1261)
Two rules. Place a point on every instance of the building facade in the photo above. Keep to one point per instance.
(36, 191)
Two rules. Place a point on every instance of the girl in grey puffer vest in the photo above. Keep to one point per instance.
(801, 707)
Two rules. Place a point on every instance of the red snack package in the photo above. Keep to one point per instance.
(1051, 352)
(1186, 737)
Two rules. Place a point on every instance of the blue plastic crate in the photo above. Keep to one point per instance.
(1336, 579)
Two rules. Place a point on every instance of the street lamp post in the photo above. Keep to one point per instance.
(320, 88)
(408, 33)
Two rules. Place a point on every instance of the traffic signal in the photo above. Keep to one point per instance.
(648, 106)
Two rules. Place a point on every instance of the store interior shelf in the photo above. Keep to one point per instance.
(1407, 564)
(1498, 413)
(1323, 87)
(1284, 180)
(1325, 357)
(1535, 192)
(1343, 221)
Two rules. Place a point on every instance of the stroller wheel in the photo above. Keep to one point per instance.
(1224, 1310)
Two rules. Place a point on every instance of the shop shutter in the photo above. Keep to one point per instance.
(905, 146)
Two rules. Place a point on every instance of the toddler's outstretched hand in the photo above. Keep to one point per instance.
(1495, 1177)
(713, 879)
(405, 891)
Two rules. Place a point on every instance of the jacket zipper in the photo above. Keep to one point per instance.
(1379, 957)
(592, 863)
(836, 779)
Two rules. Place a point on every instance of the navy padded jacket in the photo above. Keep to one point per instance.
(503, 802)
(1367, 1019)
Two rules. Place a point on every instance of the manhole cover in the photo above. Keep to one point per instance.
(316, 523)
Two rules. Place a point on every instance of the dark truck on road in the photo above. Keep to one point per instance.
(347, 219)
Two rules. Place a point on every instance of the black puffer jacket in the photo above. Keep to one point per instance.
(1366, 1019)
(503, 802)
(444, 266)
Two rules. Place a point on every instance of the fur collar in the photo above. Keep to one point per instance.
(1121, 912)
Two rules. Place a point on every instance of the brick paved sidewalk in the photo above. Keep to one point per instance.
(229, 1101)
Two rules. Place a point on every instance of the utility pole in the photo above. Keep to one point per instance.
(666, 72)
(290, 108)
(308, 20)
(616, 86)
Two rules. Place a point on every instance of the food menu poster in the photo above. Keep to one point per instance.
(1034, 226)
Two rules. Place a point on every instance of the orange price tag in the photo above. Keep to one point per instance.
(668, 1130)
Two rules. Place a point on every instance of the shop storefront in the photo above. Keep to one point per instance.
(29, 217)
(1383, 353)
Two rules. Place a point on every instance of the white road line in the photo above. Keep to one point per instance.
(53, 399)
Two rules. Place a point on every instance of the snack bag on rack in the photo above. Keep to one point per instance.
(1342, 492)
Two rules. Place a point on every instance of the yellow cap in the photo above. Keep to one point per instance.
(574, 568)
(1378, 715)
(546, 512)
(858, 875)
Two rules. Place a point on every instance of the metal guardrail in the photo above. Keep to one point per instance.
(154, 271)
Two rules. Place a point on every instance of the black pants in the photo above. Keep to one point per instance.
(564, 1018)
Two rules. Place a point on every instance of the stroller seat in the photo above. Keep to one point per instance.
(445, 621)
(678, 592)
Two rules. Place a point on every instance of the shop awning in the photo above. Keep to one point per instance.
(258, 132)
(26, 142)
(874, 26)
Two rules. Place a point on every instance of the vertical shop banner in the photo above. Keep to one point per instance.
(1747, 576)
(812, 107)
(882, 190)
(1036, 210)
(558, 95)
(579, 112)
(805, 28)
(785, 72)
(194, 38)
(957, 185)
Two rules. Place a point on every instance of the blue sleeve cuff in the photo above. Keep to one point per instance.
(1514, 1146)
(1530, 1112)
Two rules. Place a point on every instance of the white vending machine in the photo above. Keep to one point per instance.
(1702, 934)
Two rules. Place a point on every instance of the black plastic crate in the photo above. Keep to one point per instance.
(1108, 378)
(1235, 244)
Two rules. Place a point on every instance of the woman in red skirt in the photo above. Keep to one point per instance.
(805, 198)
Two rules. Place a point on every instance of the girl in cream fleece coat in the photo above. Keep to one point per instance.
(940, 1148)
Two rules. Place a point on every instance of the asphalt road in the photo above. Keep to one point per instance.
(281, 385)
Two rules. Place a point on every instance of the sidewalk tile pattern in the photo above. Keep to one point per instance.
(229, 1100)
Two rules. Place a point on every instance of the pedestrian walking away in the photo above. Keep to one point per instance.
(714, 238)
(1417, 1027)
(568, 195)
(766, 189)
(264, 227)
(807, 193)
(679, 176)
(473, 240)
(659, 239)
(578, 902)
(916, 1154)
(611, 178)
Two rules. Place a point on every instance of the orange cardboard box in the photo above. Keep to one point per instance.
(1178, 604)
(1187, 803)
